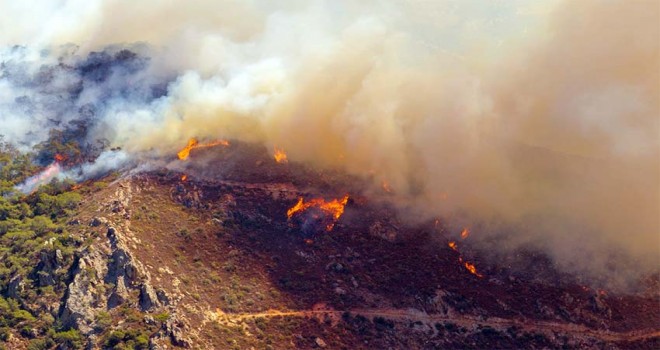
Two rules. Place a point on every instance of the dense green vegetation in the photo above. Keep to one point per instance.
(36, 252)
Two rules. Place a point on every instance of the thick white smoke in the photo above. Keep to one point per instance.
(538, 119)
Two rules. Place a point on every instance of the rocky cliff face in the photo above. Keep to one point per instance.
(107, 275)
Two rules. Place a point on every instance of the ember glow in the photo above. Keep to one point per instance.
(280, 156)
(184, 177)
(193, 144)
(386, 186)
(334, 208)
(465, 233)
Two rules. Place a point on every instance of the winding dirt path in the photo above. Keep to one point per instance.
(461, 320)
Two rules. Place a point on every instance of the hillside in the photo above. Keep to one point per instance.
(206, 259)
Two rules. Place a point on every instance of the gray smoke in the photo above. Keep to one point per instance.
(538, 120)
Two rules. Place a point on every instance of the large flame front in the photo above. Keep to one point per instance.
(193, 143)
(335, 208)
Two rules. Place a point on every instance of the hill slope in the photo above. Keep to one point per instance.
(215, 263)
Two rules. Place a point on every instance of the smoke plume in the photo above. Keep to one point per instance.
(537, 122)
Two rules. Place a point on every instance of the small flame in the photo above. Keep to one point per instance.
(334, 207)
(184, 177)
(465, 233)
(59, 157)
(193, 143)
(472, 269)
(386, 187)
(469, 266)
(280, 156)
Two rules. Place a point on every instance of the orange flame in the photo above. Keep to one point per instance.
(59, 157)
(334, 207)
(472, 269)
(465, 233)
(280, 156)
(193, 143)
(469, 266)
(184, 177)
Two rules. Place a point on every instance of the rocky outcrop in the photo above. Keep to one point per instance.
(107, 274)
(148, 297)
(84, 296)
(177, 327)
(50, 261)
(16, 287)
(175, 331)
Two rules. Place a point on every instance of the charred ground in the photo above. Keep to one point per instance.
(231, 271)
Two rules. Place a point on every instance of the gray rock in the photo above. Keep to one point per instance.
(74, 222)
(98, 221)
(163, 297)
(320, 342)
(149, 320)
(79, 305)
(148, 297)
(15, 287)
(177, 327)
(119, 294)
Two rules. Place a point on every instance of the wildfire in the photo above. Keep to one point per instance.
(465, 233)
(184, 177)
(59, 157)
(193, 143)
(469, 266)
(334, 207)
(280, 156)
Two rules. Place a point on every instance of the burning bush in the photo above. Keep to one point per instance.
(317, 214)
